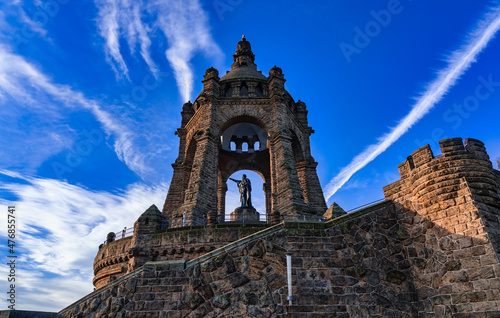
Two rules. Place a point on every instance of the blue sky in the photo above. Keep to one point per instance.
(91, 93)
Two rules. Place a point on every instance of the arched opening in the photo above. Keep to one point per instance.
(246, 132)
(191, 151)
(256, 146)
(241, 134)
(228, 90)
(244, 89)
(257, 194)
(258, 90)
(298, 154)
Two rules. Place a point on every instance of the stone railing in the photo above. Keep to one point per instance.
(184, 221)
(114, 236)
(242, 218)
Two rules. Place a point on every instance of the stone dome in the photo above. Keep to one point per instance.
(243, 73)
(243, 67)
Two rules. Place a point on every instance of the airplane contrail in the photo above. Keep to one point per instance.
(459, 61)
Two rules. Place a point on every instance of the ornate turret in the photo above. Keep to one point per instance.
(229, 128)
(244, 67)
(244, 54)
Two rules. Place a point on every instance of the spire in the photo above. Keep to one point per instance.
(243, 66)
(244, 54)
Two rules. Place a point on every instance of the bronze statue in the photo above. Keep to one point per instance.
(245, 187)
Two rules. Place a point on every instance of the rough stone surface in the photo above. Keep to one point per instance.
(203, 166)
(429, 250)
(449, 208)
(334, 211)
(185, 243)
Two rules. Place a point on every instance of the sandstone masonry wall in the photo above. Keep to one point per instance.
(352, 266)
(185, 243)
(449, 208)
(429, 250)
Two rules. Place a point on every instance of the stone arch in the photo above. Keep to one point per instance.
(230, 162)
(242, 119)
(197, 185)
(258, 180)
(263, 174)
(298, 150)
(299, 156)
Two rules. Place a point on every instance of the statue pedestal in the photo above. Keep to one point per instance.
(244, 214)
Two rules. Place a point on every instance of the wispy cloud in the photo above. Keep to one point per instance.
(61, 226)
(14, 10)
(457, 63)
(184, 23)
(26, 84)
(186, 27)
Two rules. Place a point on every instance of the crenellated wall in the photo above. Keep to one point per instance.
(429, 250)
(449, 206)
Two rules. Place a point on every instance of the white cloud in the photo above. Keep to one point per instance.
(109, 29)
(183, 22)
(29, 86)
(186, 27)
(61, 227)
(459, 61)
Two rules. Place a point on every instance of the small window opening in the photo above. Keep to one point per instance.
(229, 91)
(244, 89)
(256, 146)
(258, 90)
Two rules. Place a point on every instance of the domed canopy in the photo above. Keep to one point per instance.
(244, 132)
(243, 73)
(243, 67)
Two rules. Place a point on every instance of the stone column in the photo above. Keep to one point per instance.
(239, 146)
(175, 195)
(221, 197)
(309, 181)
(301, 173)
(201, 193)
(235, 86)
(267, 193)
(288, 194)
(251, 89)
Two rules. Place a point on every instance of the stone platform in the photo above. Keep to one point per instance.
(243, 214)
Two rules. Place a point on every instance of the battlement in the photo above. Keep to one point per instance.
(450, 148)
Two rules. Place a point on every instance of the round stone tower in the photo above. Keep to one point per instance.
(244, 120)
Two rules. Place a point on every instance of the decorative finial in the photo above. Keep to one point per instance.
(243, 38)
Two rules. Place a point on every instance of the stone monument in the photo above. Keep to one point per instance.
(246, 212)
(430, 249)
(244, 120)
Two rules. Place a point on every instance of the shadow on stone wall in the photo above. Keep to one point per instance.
(387, 261)
(430, 250)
